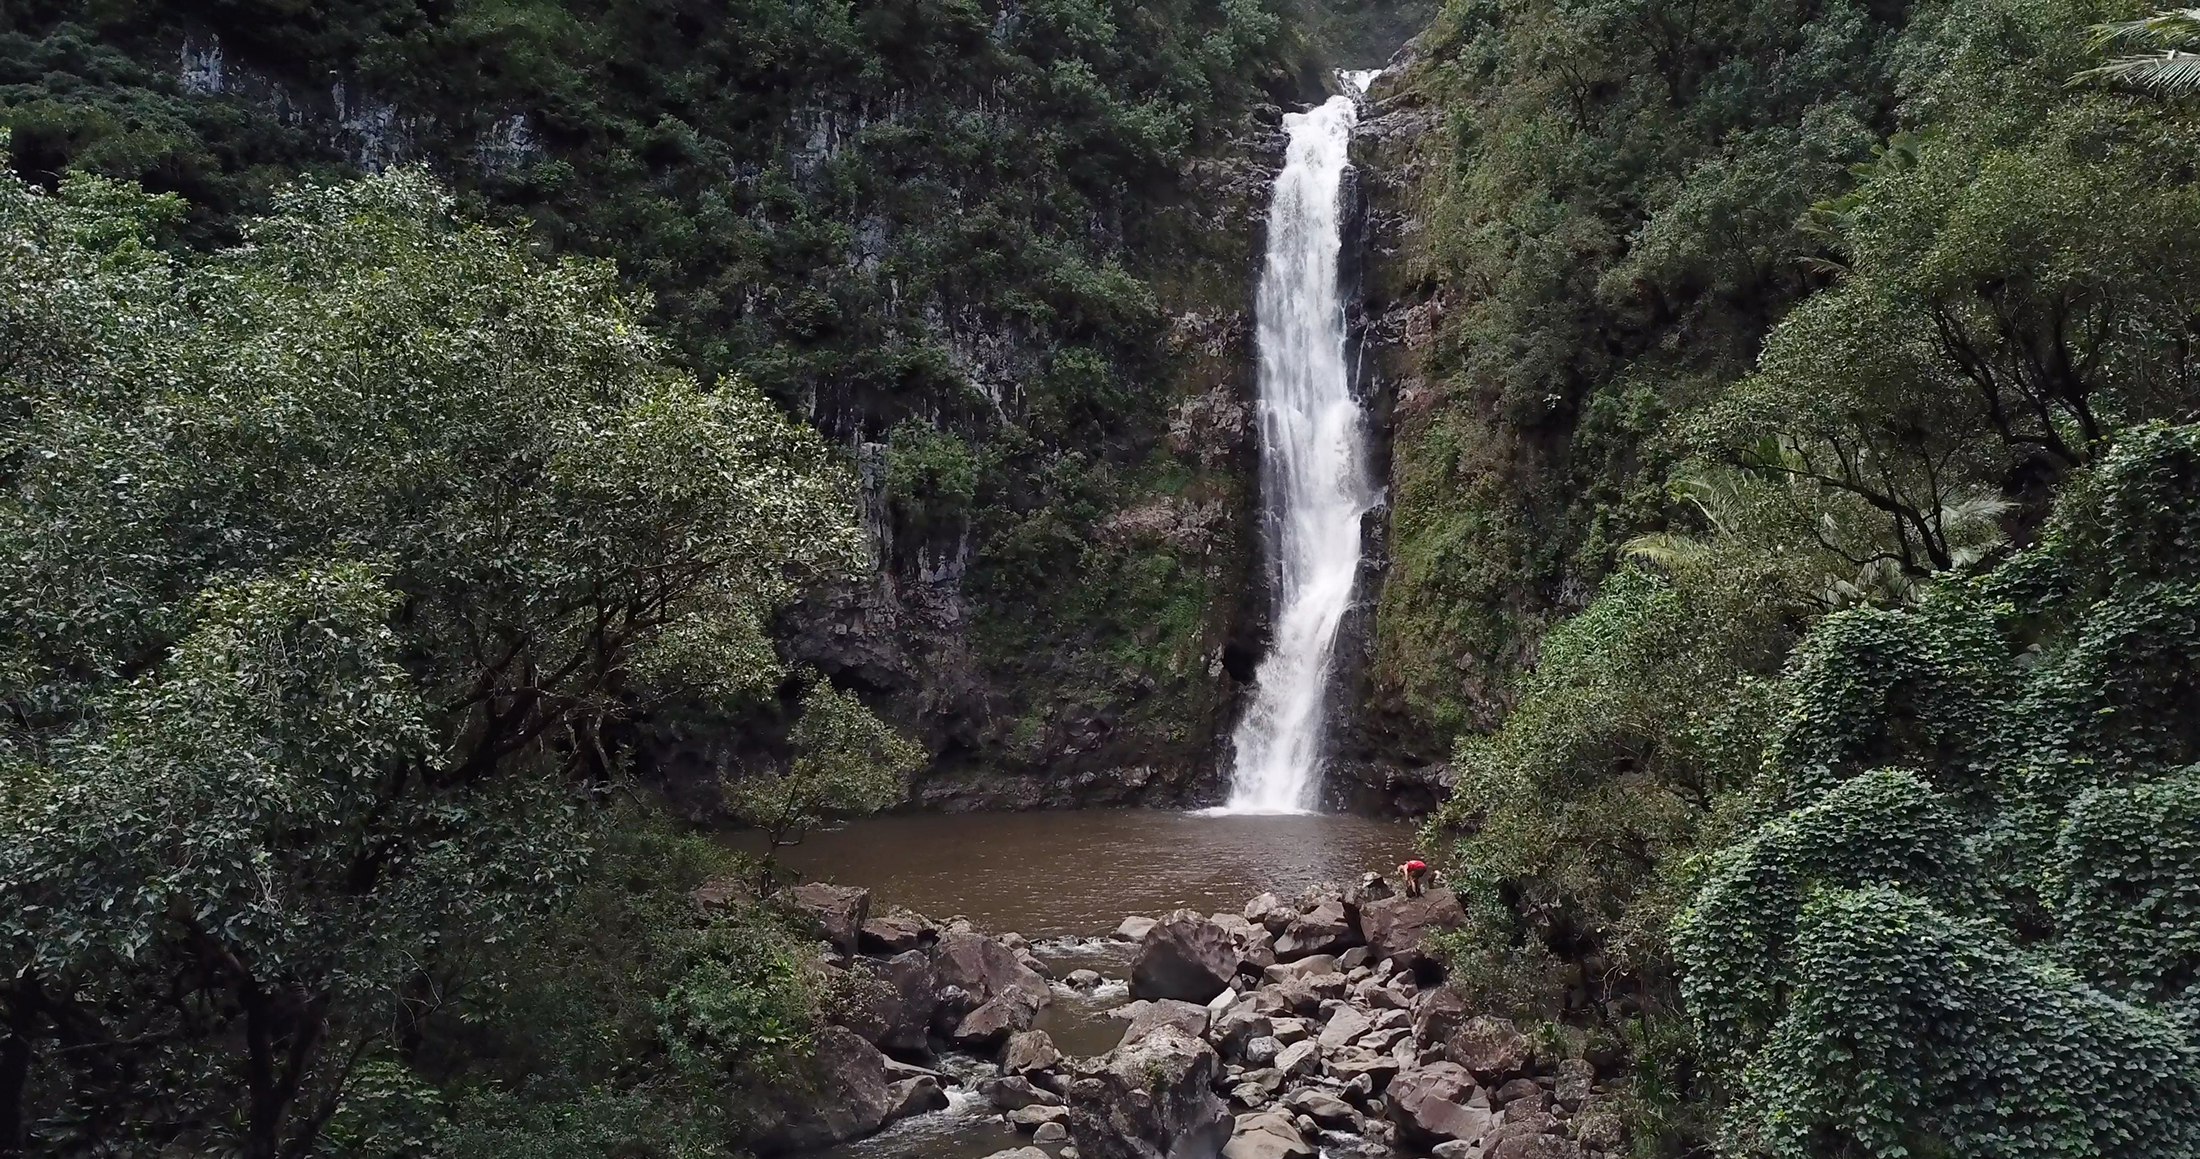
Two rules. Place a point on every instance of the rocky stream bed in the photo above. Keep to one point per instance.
(1293, 1029)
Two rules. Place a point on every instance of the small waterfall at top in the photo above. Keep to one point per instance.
(1314, 485)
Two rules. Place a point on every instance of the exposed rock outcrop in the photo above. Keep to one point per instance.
(1397, 927)
(840, 1093)
(1186, 956)
(1152, 1099)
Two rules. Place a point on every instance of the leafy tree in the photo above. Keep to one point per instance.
(332, 562)
(846, 762)
(1953, 938)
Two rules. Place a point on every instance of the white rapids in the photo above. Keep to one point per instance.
(1314, 474)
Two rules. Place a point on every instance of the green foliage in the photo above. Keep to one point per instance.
(1634, 729)
(622, 1020)
(965, 215)
(846, 763)
(1609, 227)
(331, 564)
(931, 477)
(2171, 68)
(1972, 933)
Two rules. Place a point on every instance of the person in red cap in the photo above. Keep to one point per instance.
(1415, 873)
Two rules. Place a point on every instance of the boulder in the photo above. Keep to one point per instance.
(1325, 929)
(839, 1093)
(1356, 958)
(1438, 1103)
(1083, 981)
(1257, 952)
(1029, 1118)
(1490, 1047)
(1576, 1081)
(1535, 1147)
(1181, 1016)
(1014, 1092)
(1270, 911)
(985, 968)
(1012, 1010)
(1260, 1052)
(1151, 1099)
(1302, 1057)
(897, 1008)
(1238, 1026)
(1343, 1028)
(1020, 1153)
(1302, 969)
(1322, 1107)
(1438, 1014)
(1373, 887)
(1288, 997)
(1354, 1062)
(838, 911)
(899, 932)
(1515, 1090)
(1267, 1135)
(1029, 1050)
(1395, 927)
(1134, 929)
(1600, 1128)
(1186, 956)
(1051, 1133)
(914, 1096)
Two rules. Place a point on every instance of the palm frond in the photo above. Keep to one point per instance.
(1665, 549)
(2168, 28)
(2171, 72)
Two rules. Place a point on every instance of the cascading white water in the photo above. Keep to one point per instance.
(1314, 485)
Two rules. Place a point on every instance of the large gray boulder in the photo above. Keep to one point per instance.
(898, 1006)
(1325, 929)
(1029, 1050)
(1438, 1014)
(1438, 1103)
(1012, 1010)
(1267, 1135)
(895, 933)
(1187, 956)
(914, 1096)
(985, 968)
(1270, 911)
(1396, 927)
(839, 1093)
(838, 911)
(1152, 1099)
(1492, 1048)
(1184, 1017)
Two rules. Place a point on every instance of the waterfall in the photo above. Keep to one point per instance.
(1314, 484)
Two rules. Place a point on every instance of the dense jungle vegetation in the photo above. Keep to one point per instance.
(1812, 458)
(948, 234)
(351, 524)
(1799, 529)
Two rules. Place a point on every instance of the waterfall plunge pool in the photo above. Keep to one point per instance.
(1080, 872)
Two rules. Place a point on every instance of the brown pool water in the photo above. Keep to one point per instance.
(1080, 872)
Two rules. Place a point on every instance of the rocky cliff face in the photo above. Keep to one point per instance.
(1112, 678)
